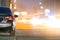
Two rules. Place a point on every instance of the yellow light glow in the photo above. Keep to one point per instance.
(23, 21)
(14, 7)
(11, 6)
(23, 13)
(52, 22)
(40, 3)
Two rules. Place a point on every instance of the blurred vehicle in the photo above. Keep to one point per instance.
(6, 20)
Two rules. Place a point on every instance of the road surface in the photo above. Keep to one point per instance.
(29, 35)
(7, 38)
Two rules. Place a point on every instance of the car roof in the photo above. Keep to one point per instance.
(5, 10)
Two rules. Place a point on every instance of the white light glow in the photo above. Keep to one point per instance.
(40, 3)
(14, 7)
(51, 17)
(36, 21)
(47, 11)
(16, 13)
(41, 7)
(23, 21)
(53, 23)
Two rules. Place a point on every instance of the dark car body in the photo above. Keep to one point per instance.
(6, 20)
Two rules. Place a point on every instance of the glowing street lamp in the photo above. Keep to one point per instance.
(14, 4)
(14, 7)
(40, 3)
(41, 7)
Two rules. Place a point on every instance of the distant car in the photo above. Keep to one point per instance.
(6, 20)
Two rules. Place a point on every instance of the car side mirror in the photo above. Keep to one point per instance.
(15, 16)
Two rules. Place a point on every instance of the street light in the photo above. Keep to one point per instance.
(14, 4)
(40, 3)
(41, 7)
(15, 7)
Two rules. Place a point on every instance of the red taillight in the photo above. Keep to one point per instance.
(9, 18)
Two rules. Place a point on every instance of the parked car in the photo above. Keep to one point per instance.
(6, 20)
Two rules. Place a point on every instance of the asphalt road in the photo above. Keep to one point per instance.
(34, 35)
(28, 35)
(35, 38)
(6, 36)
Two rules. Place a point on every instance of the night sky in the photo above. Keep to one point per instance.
(28, 4)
